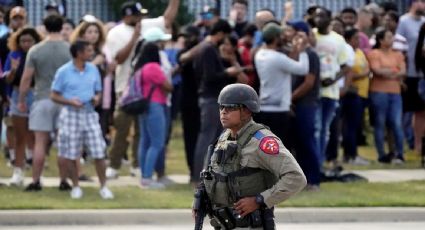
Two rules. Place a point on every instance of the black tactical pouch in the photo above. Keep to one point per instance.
(226, 218)
(255, 218)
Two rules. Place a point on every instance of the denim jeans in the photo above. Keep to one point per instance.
(208, 133)
(387, 110)
(160, 163)
(152, 140)
(306, 141)
(327, 111)
(352, 114)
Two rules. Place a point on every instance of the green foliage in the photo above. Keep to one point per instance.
(156, 8)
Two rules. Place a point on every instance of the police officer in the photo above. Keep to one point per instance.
(248, 171)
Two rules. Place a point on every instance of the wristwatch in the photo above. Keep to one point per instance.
(259, 199)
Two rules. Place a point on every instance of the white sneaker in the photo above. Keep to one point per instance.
(151, 184)
(17, 178)
(106, 194)
(135, 172)
(111, 173)
(76, 193)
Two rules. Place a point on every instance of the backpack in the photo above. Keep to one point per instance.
(132, 100)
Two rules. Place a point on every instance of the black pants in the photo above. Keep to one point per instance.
(209, 131)
(191, 122)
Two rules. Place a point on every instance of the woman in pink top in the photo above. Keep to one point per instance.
(152, 124)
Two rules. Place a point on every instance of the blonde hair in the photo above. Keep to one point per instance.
(81, 29)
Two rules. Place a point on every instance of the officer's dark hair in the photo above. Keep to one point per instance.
(349, 10)
(349, 33)
(53, 23)
(244, 2)
(267, 9)
(393, 15)
(249, 29)
(221, 26)
(78, 46)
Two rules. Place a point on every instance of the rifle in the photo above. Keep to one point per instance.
(202, 204)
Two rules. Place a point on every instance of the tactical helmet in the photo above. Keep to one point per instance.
(240, 94)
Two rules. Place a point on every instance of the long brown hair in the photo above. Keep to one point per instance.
(81, 29)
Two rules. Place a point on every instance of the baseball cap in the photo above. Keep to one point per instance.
(156, 34)
(133, 8)
(299, 25)
(18, 11)
(271, 30)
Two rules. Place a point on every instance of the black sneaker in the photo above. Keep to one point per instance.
(386, 159)
(84, 177)
(33, 187)
(64, 186)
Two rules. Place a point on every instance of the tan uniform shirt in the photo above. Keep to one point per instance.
(266, 151)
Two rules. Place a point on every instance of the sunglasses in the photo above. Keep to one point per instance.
(230, 107)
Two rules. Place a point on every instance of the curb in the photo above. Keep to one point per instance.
(183, 216)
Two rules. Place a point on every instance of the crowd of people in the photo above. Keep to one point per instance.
(62, 84)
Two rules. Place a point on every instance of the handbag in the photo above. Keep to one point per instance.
(132, 100)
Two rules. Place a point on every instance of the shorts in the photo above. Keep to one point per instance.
(412, 102)
(14, 103)
(79, 129)
(43, 115)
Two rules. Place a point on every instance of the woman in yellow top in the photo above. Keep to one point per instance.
(354, 101)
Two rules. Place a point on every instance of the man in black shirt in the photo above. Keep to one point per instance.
(213, 77)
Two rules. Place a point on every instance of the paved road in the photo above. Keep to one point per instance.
(309, 226)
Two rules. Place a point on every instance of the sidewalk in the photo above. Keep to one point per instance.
(380, 175)
(183, 216)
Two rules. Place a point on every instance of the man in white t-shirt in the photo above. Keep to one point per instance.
(121, 43)
(332, 51)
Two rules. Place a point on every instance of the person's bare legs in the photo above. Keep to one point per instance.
(419, 129)
(71, 166)
(63, 173)
(100, 170)
(40, 148)
(20, 125)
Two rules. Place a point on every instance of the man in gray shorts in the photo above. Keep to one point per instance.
(42, 62)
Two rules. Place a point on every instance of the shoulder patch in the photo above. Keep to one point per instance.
(259, 135)
(269, 145)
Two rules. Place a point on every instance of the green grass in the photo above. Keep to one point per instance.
(359, 194)
(180, 196)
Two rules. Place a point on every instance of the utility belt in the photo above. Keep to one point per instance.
(229, 218)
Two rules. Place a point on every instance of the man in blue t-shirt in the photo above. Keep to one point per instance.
(78, 88)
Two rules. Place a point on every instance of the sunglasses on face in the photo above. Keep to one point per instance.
(230, 107)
